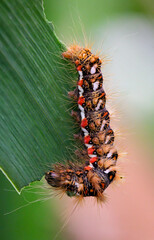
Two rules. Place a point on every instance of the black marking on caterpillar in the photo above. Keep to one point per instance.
(99, 169)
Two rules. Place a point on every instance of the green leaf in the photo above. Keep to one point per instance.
(35, 125)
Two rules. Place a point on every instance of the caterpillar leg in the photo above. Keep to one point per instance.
(76, 116)
(73, 94)
(78, 136)
(81, 154)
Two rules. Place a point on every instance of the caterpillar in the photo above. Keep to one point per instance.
(99, 168)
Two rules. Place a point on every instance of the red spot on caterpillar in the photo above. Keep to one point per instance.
(93, 159)
(87, 168)
(80, 82)
(102, 95)
(79, 68)
(77, 62)
(105, 114)
(86, 192)
(69, 170)
(109, 131)
(81, 100)
(91, 150)
(84, 123)
(87, 139)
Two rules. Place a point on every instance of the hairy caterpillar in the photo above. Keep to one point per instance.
(99, 168)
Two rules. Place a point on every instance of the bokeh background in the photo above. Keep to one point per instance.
(123, 31)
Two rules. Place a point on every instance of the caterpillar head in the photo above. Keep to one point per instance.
(72, 52)
(78, 54)
(87, 181)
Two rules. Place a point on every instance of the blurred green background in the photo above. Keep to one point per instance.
(124, 31)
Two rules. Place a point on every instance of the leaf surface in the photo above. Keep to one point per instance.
(35, 125)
